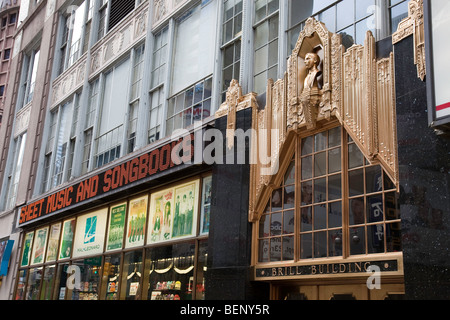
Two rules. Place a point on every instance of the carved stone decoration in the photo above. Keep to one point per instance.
(160, 9)
(140, 25)
(233, 96)
(358, 94)
(307, 104)
(414, 25)
(22, 120)
(386, 117)
(337, 50)
(130, 31)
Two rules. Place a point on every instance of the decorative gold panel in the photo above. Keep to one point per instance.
(414, 25)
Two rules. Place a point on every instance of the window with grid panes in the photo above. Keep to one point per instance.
(158, 74)
(138, 63)
(88, 25)
(277, 225)
(398, 10)
(344, 206)
(231, 65)
(265, 65)
(157, 102)
(350, 18)
(159, 59)
(30, 65)
(231, 41)
(63, 137)
(194, 104)
(110, 131)
(60, 143)
(102, 17)
(75, 33)
(14, 176)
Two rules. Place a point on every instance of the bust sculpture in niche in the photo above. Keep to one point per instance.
(311, 94)
(312, 80)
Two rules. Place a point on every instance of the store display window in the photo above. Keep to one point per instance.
(137, 213)
(53, 242)
(47, 282)
(200, 274)
(116, 228)
(148, 246)
(90, 233)
(206, 205)
(173, 212)
(22, 280)
(33, 284)
(61, 281)
(132, 275)
(65, 250)
(111, 277)
(25, 261)
(171, 272)
(39, 246)
(86, 287)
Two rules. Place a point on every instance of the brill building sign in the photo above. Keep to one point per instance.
(357, 267)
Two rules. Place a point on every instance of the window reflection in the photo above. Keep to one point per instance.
(47, 283)
(131, 281)
(111, 277)
(89, 285)
(350, 208)
(170, 271)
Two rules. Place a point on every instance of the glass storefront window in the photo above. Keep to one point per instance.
(60, 284)
(47, 282)
(34, 282)
(202, 257)
(171, 272)
(132, 276)
(88, 288)
(85, 261)
(277, 225)
(111, 277)
(20, 292)
(348, 206)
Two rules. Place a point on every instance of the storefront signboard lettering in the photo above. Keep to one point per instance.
(137, 169)
(326, 269)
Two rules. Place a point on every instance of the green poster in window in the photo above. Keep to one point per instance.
(27, 249)
(67, 239)
(116, 227)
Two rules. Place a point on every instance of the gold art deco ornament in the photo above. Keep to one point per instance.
(325, 85)
(414, 25)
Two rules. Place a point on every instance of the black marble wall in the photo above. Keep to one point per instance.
(424, 164)
(228, 275)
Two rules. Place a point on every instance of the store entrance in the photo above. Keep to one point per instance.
(338, 292)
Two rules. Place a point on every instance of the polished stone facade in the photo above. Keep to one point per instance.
(230, 234)
(424, 185)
